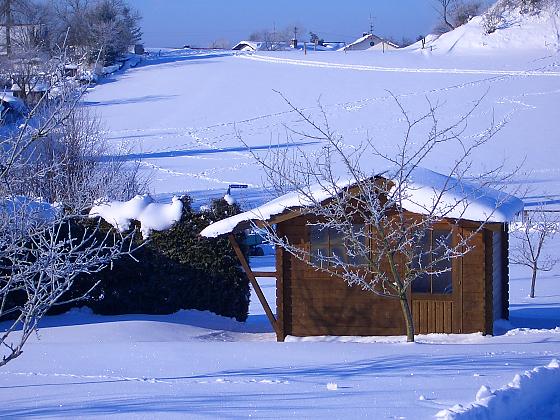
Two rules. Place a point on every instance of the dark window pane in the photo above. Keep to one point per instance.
(336, 244)
(430, 253)
(443, 281)
(359, 234)
(319, 244)
(421, 257)
(421, 284)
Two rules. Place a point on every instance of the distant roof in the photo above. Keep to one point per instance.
(369, 37)
(458, 199)
(255, 46)
(37, 87)
(14, 102)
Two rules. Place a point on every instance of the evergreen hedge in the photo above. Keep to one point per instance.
(176, 269)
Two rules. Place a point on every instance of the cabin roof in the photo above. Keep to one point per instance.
(424, 190)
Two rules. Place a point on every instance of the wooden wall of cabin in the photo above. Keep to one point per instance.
(477, 288)
(311, 302)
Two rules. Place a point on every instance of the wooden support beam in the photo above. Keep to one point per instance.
(254, 283)
(265, 273)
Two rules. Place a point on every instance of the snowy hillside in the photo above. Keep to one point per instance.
(183, 113)
(506, 27)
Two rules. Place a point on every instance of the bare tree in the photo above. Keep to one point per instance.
(533, 234)
(382, 247)
(444, 7)
(464, 11)
(44, 246)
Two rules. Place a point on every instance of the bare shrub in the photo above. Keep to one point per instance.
(492, 19)
(534, 233)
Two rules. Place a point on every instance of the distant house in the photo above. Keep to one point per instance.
(31, 94)
(248, 46)
(137, 49)
(468, 298)
(71, 70)
(11, 108)
(370, 42)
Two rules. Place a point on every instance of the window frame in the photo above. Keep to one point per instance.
(451, 231)
(330, 242)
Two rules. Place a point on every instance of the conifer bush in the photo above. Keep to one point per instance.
(176, 269)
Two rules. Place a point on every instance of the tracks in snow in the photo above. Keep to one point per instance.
(361, 67)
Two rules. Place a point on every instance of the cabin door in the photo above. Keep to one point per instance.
(436, 299)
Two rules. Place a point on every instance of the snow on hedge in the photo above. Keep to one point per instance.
(534, 388)
(151, 215)
(424, 190)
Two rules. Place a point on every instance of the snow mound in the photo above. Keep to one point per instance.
(534, 388)
(514, 30)
(151, 215)
(35, 210)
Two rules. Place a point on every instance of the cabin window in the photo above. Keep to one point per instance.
(326, 242)
(440, 280)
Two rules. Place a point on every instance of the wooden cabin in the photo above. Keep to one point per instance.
(466, 299)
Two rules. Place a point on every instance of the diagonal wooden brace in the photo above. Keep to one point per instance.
(254, 283)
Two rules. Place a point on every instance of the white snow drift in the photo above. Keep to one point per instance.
(531, 388)
(143, 208)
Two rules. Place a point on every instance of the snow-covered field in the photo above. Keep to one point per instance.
(200, 365)
(183, 113)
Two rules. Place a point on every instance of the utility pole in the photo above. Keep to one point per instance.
(9, 24)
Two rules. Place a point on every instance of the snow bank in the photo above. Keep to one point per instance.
(424, 190)
(151, 215)
(534, 388)
(34, 209)
(515, 31)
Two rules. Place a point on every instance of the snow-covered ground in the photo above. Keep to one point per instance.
(199, 365)
(182, 113)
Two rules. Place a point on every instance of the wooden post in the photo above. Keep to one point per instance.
(254, 283)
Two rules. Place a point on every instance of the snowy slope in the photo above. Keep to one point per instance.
(516, 31)
(183, 118)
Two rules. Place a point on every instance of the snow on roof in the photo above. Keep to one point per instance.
(361, 39)
(37, 87)
(255, 46)
(457, 199)
(151, 215)
(14, 102)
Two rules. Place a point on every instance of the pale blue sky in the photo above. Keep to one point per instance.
(173, 23)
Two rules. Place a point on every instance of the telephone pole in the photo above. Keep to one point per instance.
(371, 19)
(9, 23)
